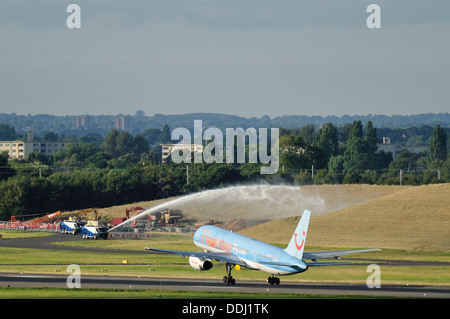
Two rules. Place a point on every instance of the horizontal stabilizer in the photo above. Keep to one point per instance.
(333, 254)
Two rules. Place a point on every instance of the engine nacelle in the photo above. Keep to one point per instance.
(200, 264)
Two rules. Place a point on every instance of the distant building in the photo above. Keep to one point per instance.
(84, 121)
(30, 136)
(396, 149)
(124, 123)
(21, 150)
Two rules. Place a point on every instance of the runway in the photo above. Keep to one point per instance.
(161, 284)
(127, 282)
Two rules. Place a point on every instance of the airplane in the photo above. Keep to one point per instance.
(234, 249)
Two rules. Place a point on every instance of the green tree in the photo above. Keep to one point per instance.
(123, 144)
(408, 161)
(98, 160)
(5, 170)
(50, 136)
(140, 145)
(151, 135)
(355, 156)
(296, 154)
(39, 158)
(291, 148)
(361, 151)
(336, 164)
(371, 138)
(11, 197)
(438, 145)
(336, 168)
(165, 136)
(307, 133)
(92, 138)
(7, 132)
(326, 138)
(110, 143)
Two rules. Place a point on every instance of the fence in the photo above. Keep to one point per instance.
(55, 228)
(415, 176)
(123, 235)
(30, 227)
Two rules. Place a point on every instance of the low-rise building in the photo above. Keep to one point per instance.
(396, 149)
(21, 150)
(167, 149)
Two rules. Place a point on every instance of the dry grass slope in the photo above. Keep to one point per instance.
(409, 218)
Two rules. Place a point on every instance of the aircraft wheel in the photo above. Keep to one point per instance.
(273, 280)
(228, 280)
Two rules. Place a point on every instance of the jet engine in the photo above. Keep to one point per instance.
(200, 264)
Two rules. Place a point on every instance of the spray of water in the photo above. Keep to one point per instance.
(242, 202)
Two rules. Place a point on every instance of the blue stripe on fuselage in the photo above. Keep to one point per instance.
(252, 251)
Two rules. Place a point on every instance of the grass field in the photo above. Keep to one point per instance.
(162, 265)
(407, 218)
(60, 293)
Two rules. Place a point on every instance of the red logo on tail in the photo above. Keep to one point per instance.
(299, 247)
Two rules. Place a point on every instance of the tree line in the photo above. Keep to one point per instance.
(122, 168)
(101, 124)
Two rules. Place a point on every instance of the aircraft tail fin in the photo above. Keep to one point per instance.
(297, 243)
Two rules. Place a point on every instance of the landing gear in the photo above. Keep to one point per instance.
(273, 280)
(228, 280)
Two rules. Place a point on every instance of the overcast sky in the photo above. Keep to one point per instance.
(242, 57)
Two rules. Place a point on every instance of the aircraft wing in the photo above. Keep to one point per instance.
(327, 264)
(224, 257)
(333, 254)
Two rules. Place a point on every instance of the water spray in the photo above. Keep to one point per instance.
(261, 201)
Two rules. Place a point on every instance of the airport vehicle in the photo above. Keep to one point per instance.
(71, 227)
(95, 232)
(238, 250)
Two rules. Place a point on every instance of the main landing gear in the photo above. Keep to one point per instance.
(228, 280)
(273, 280)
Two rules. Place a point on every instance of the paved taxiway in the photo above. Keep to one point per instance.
(161, 284)
(125, 282)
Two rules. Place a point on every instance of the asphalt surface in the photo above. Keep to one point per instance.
(125, 282)
(49, 243)
(161, 284)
